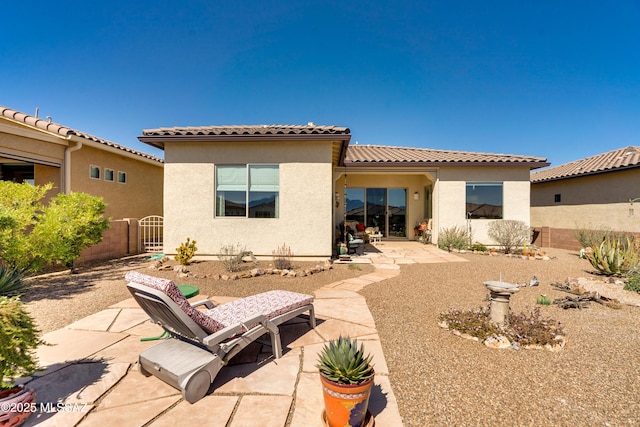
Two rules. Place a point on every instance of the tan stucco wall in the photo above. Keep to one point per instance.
(139, 197)
(305, 198)
(49, 149)
(450, 197)
(594, 201)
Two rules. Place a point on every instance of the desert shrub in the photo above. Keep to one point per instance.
(453, 238)
(589, 238)
(186, 252)
(479, 247)
(509, 234)
(522, 329)
(543, 300)
(231, 256)
(633, 282)
(283, 257)
(18, 341)
(614, 256)
(33, 234)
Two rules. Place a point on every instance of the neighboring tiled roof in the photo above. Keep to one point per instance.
(251, 130)
(623, 158)
(49, 126)
(370, 155)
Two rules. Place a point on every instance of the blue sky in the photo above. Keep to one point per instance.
(559, 80)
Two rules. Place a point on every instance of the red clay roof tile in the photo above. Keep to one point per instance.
(622, 158)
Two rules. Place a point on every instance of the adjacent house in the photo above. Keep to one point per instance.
(601, 191)
(40, 151)
(266, 186)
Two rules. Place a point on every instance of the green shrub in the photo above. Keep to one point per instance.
(18, 341)
(33, 234)
(231, 256)
(613, 256)
(186, 252)
(522, 329)
(283, 257)
(509, 234)
(590, 238)
(456, 237)
(633, 282)
(478, 247)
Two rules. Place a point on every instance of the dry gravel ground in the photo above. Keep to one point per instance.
(58, 299)
(439, 379)
(443, 380)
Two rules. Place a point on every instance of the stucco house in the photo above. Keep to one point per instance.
(268, 185)
(594, 192)
(40, 151)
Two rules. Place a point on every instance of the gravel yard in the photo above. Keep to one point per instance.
(439, 379)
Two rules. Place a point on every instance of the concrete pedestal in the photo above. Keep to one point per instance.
(500, 295)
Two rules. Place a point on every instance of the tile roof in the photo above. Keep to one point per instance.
(623, 158)
(49, 126)
(248, 130)
(371, 155)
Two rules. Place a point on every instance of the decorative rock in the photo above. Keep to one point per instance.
(292, 273)
(183, 275)
(180, 268)
(256, 272)
(224, 277)
(215, 277)
(155, 265)
(498, 342)
(165, 267)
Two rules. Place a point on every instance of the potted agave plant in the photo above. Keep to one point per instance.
(18, 340)
(347, 376)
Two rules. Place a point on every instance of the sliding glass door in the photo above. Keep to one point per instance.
(384, 208)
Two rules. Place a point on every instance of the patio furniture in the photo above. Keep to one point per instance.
(202, 342)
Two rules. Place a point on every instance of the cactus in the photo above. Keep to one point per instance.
(186, 251)
(612, 257)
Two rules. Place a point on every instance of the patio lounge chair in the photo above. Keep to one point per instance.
(202, 342)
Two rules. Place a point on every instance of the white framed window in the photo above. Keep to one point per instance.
(247, 191)
(94, 172)
(122, 177)
(108, 175)
(484, 200)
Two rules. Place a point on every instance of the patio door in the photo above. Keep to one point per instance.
(385, 208)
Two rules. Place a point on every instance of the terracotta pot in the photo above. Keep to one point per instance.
(16, 405)
(346, 405)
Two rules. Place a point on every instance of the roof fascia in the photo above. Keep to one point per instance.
(114, 150)
(26, 131)
(158, 141)
(562, 178)
(409, 165)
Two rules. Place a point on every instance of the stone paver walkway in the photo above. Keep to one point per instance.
(92, 379)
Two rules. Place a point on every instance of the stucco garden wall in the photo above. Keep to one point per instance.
(305, 198)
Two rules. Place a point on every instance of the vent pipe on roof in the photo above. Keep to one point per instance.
(37, 111)
(310, 124)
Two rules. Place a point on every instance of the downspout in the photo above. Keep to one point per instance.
(67, 164)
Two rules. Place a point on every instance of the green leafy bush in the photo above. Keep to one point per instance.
(543, 300)
(33, 234)
(456, 237)
(509, 234)
(283, 257)
(478, 247)
(613, 256)
(231, 256)
(633, 282)
(186, 252)
(522, 329)
(18, 341)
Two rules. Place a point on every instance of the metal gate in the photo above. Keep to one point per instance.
(150, 231)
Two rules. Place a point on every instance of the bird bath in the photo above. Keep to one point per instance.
(500, 295)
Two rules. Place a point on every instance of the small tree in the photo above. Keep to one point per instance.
(32, 234)
(509, 234)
